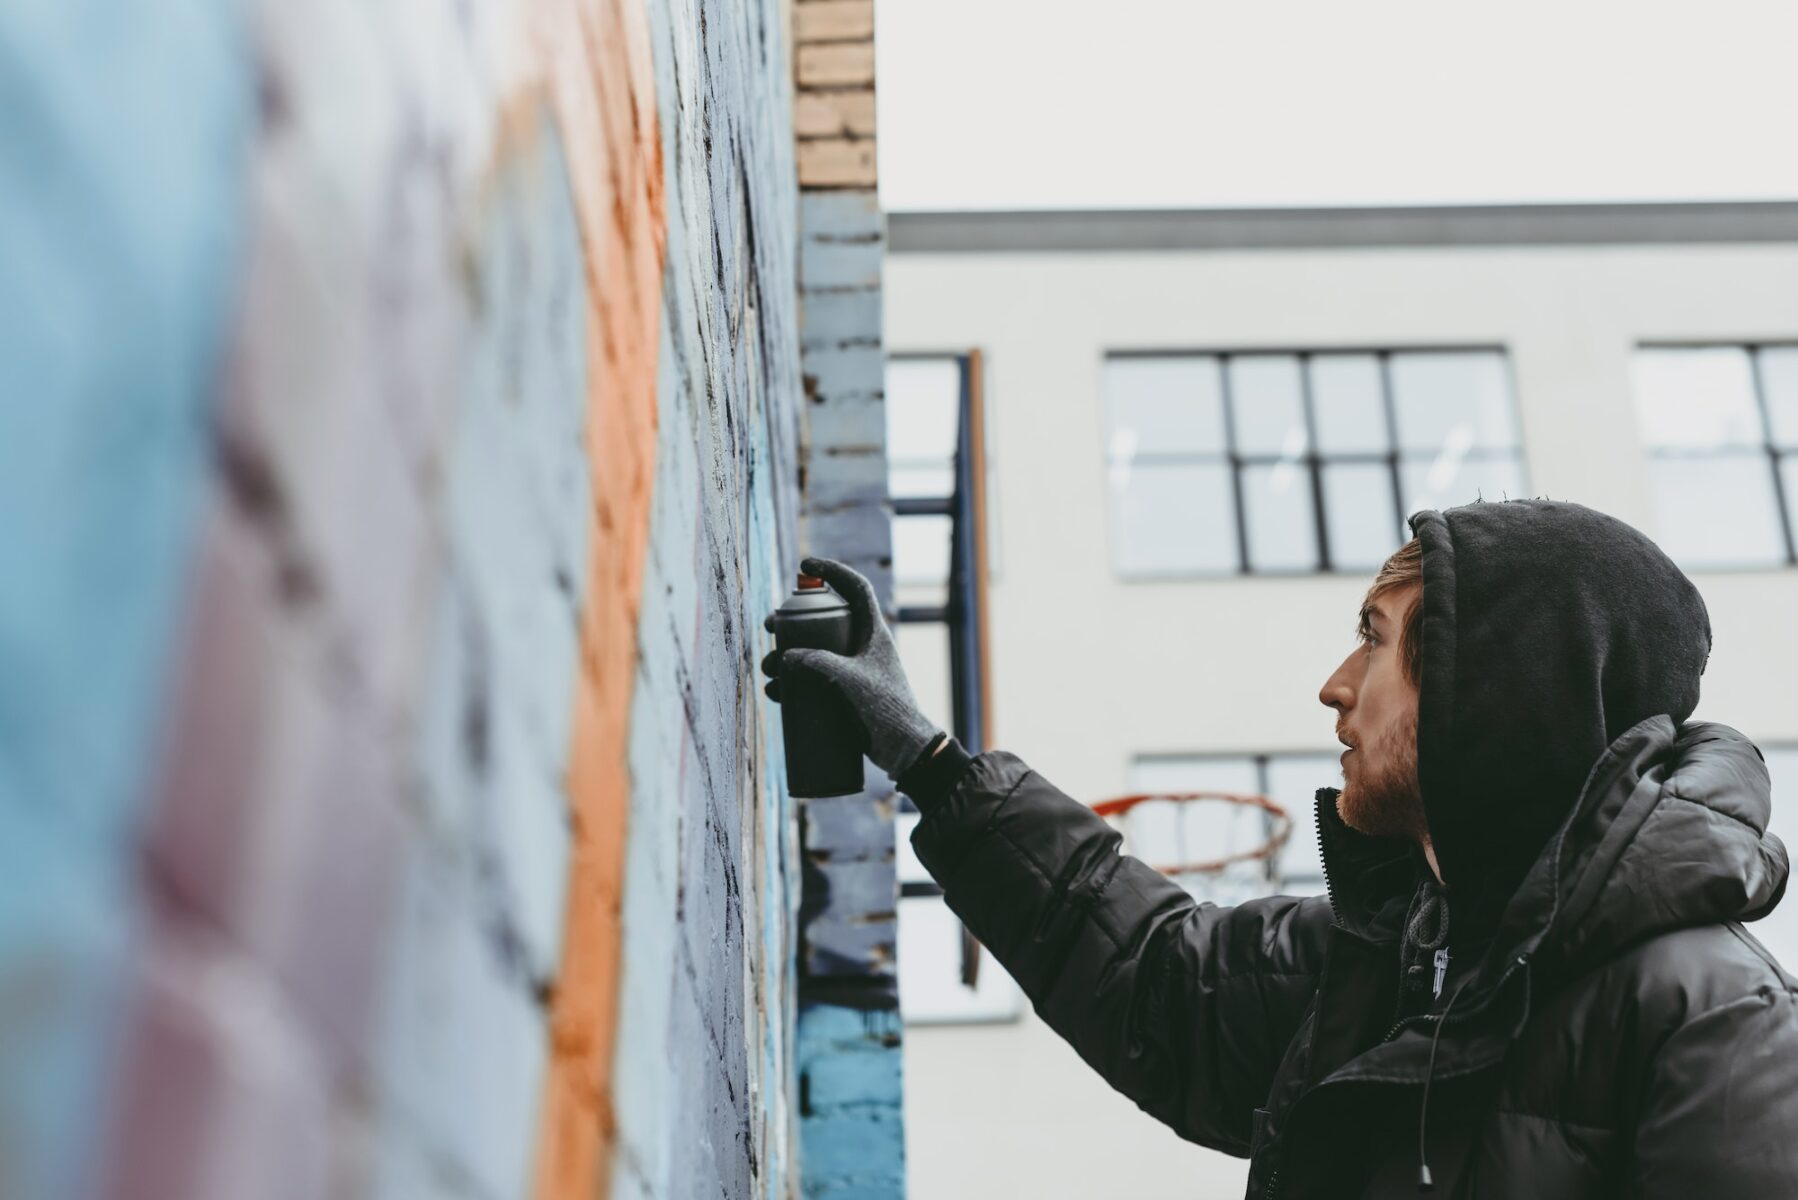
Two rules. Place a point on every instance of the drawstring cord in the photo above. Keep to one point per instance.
(1426, 931)
(1425, 1182)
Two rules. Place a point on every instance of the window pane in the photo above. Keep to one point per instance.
(1172, 517)
(1292, 783)
(1788, 480)
(930, 986)
(1717, 511)
(921, 480)
(1281, 517)
(1457, 401)
(923, 399)
(1267, 405)
(1448, 480)
(921, 550)
(1346, 401)
(1164, 405)
(1224, 774)
(1779, 378)
(1358, 508)
(906, 864)
(1696, 399)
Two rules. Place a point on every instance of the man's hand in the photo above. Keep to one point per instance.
(870, 679)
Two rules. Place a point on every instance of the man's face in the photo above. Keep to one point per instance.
(1376, 717)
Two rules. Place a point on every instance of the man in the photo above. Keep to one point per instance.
(1529, 977)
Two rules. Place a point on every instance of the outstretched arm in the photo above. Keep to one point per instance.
(1186, 1008)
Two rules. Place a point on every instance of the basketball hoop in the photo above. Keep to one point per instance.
(1163, 843)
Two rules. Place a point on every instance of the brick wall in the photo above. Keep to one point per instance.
(705, 1077)
(398, 451)
(849, 1049)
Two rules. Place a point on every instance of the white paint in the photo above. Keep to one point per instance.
(1089, 671)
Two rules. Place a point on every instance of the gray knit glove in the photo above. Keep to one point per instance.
(870, 680)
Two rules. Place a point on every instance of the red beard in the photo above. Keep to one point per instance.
(1389, 802)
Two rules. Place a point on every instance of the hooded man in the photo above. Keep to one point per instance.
(1529, 977)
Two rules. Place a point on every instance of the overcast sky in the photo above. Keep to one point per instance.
(1179, 103)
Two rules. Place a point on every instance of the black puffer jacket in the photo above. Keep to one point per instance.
(1620, 1032)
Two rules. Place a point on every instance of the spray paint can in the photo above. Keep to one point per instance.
(824, 741)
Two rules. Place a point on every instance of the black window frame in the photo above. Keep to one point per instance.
(1775, 455)
(962, 613)
(1313, 461)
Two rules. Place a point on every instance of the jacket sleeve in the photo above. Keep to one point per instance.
(1721, 1107)
(1186, 1008)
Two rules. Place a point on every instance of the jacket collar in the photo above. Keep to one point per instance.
(1367, 877)
(1668, 831)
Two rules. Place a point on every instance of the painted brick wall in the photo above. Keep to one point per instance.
(705, 1076)
(850, 1055)
(399, 435)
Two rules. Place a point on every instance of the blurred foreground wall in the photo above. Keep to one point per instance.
(398, 453)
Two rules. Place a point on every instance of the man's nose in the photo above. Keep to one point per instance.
(1338, 691)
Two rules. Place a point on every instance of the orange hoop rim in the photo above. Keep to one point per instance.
(1119, 805)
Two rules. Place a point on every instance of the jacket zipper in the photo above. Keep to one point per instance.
(1273, 1178)
(1516, 962)
(1324, 861)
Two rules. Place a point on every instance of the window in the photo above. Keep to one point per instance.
(935, 452)
(936, 449)
(1720, 424)
(1171, 833)
(923, 408)
(1284, 463)
(944, 974)
(923, 403)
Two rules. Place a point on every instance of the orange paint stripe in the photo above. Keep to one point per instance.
(602, 78)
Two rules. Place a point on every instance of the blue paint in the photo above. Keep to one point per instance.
(62, 967)
(865, 1076)
(835, 317)
(520, 500)
(704, 1080)
(851, 1064)
(779, 893)
(461, 1047)
(123, 134)
(840, 264)
(123, 140)
(464, 1044)
(849, 1033)
(855, 1153)
(844, 414)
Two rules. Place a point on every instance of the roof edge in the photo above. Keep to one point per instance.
(1087, 230)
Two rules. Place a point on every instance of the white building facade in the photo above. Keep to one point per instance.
(1203, 431)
